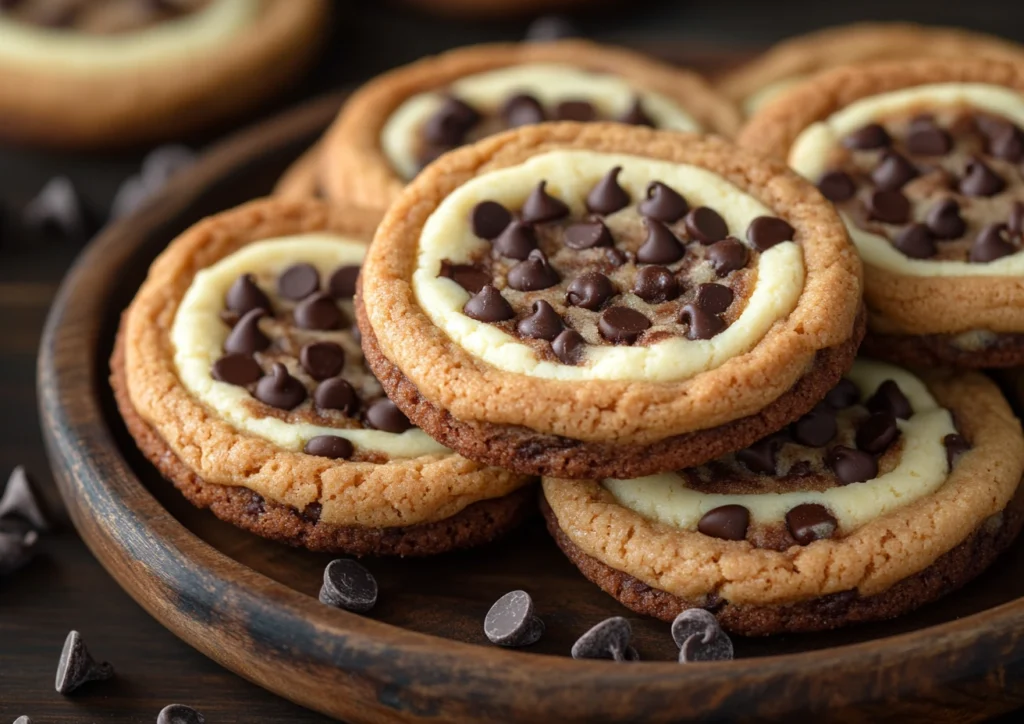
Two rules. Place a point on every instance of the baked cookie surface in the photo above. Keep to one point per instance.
(570, 298)
(400, 121)
(923, 160)
(897, 489)
(238, 371)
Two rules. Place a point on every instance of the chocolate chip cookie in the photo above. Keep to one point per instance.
(399, 122)
(572, 298)
(895, 490)
(923, 161)
(238, 371)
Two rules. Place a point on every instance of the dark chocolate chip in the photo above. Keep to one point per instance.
(348, 585)
(511, 622)
(809, 522)
(279, 389)
(488, 219)
(816, 428)
(837, 186)
(852, 466)
(587, 235)
(760, 457)
(179, 714)
(607, 640)
(533, 274)
(867, 137)
(702, 324)
(765, 232)
(550, 27)
(956, 446)
(944, 220)
(540, 206)
(693, 622)
(311, 513)
(17, 547)
(890, 398)
(877, 433)
(522, 110)
(712, 648)
(236, 369)
(322, 359)
(568, 347)
(448, 126)
(714, 298)
(728, 522)
(342, 284)
(468, 276)
(890, 207)
(590, 290)
(655, 284)
(893, 172)
(319, 311)
(916, 242)
(992, 243)
(844, 394)
(706, 225)
(245, 296)
(728, 255)
(663, 203)
(636, 115)
(77, 666)
(980, 180)
(1007, 144)
(246, 337)
(516, 241)
(616, 257)
(383, 415)
(329, 446)
(488, 305)
(580, 111)
(164, 162)
(543, 323)
(661, 246)
(1016, 221)
(19, 500)
(337, 393)
(60, 211)
(925, 138)
(622, 325)
(607, 196)
(298, 282)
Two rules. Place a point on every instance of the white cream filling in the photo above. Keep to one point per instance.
(178, 39)
(922, 469)
(810, 152)
(198, 337)
(570, 175)
(550, 83)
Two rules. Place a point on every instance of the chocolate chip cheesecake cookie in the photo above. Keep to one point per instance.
(572, 298)
(238, 371)
(924, 162)
(91, 73)
(895, 490)
(402, 120)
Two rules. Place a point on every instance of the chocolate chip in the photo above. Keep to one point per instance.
(636, 115)
(590, 290)
(384, 415)
(980, 180)
(348, 585)
(702, 324)
(916, 242)
(580, 111)
(322, 359)
(851, 466)
(522, 110)
(245, 296)
(468, 276)
(236, 369)
(844, 394)
(890, 207)
(448, 126)
(488, 305)
(511, 622)
(550, 27)
(533, 274)
(925, 138)
(318, 311)
(329, 446)
(607, 640)
(663, 203)
(337, 394)
(765, 232)
(760, 457)
(23, 720)
(616, 257)
(728, 255)
(587, 235)
(992, 243)
(693, 622)
(17, 548)
(279, 389)
(714, 298)
(246, 337)
(622, 325)
(516, 241)
(815, 429)
(488, 219)
(890, 398)
(20, 501)
(655, 284)
(893, 172)
(544, 323)
(956, 446)
(867, 137)
(699, 648)
(179, 714)
(77, 666)
(837, 186)
(809, 522)
(607, 196)
(298, 282)
(1016, 221)
(164, 162)
(944, 220)
(60, 211)
(661, 246)
(540, 206)
(342, 283)
(877, 433)
(728, 522)
(1007, 144)
(568, 347)
(706, 225)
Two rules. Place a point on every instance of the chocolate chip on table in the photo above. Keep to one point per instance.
(348, 585)
(661, 246)
(635, 115)
(568, 346)
(522, 110)
(890, 398)
(889, 207)
(844, 394)
(867, 138)
(590, 290)
(384, 415)
(516, 241)
(237, 368)
(244, 295)
(468, 276)
(700, 638)
(837, 186)
(760, 457)
(991, 243)
(279, 389)
(663, 203)
(587, 235)
(318, 312)
(956, 445)
(877, 433)
(728, 255)
(1016, 221)
(337, 393)
(59, 210)
(544, 323)
(342, 282)
(179, 714)
(693, 622)
(944, 220)
(78, 667)
(16, 549)
(23, 720)
(511, 621)
(488, 219)
(246, 337)
(622, 325)
(926, 138)
(809, 522)
(893, 172)
(728, 522)
(655, 284)
(163, 162)
(488, 305)
(815, 429)
(329, 446)
(322, 359)
(607, 640)
(580, 111)
(702, 324)
(550, 27)
(19, 500)
(607, 196)
(916, 242)
(298, 281)
(706, 225)
(1007, 144)
(448, 126)
(851, 466)
(714, 298)
(533, 274)
(540, 206)
(980, 180)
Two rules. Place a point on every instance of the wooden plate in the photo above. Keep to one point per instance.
(251, 605)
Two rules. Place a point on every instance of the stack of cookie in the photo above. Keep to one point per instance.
(570, 278)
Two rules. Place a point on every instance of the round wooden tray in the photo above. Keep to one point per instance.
(251, 605)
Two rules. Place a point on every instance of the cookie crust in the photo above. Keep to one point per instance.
(301, 180)
(356, 169)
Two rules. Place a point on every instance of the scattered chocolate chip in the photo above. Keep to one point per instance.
(714, 298)
(706, 225)
(587, 235)
(522, 110)
(607, 640)
(980, 180)
(925, 138)
(342, 283)
(867, 137)
(245, 296)
(844, 394)
(20, 500)
(706, 647)
(543, 323)
(607, 196)
(580, 111)
(236, 369)
(636, 115)
(890, 398)
(179, 714)
(348, 585)
(568, 347)
(337, 393)
(944, 220)
(550, 27)
(488, 219)
(163, 162)
(329, 446)
(16, 549)
(279, 389)
(728, 522)
(1007, 144)
(916, 242)
(1016, 221)
(540, 206)
(450, 123)
(383, 415)
(59, 210)
(851, 466)
(877, 433)
(318, 311)
(488, 305)
(760, 457)
(809, 522)
(837, 186)
(992, 243)
(661, 246)
(77, 666)
(622, 325)
(516, 241)
(322, 359)
(815, 429)
(23, 720)
(590, 290)
(728, 255)
(893, 172)
(956, 445)
(468, 276)
(663, 203)
(533, 274)
(511, 621)
(655, 284)
(245, 337)
(693, 622)
(298, 282)
(890, 207)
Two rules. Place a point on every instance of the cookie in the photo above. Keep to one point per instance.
(57, 57)
(786, 64)
(402, 120)
(301, 180)
(923, 160)
(896, 490)
(238, 371)
(571, 298)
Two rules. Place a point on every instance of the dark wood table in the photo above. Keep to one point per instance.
(65, 588)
